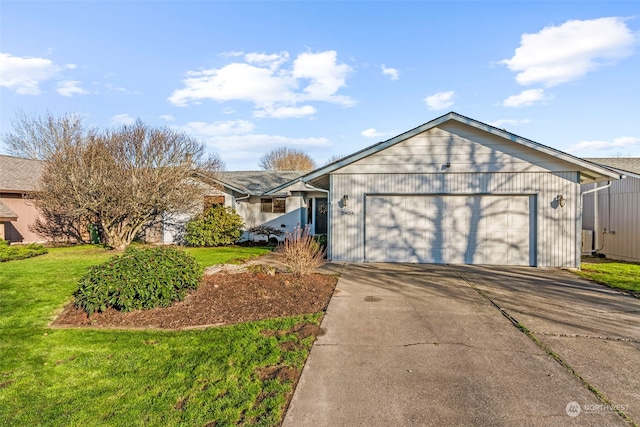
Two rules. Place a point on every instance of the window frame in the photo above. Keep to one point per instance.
(272, 204)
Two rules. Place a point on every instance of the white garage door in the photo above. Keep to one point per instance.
(449, 229)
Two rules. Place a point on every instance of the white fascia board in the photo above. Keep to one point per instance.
(604, 171)
(625, 174)
(471, 122)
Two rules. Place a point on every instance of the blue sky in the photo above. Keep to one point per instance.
(329, 78)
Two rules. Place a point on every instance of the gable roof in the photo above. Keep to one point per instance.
(624, 164)
(256, 183)
(6, 214)
(588, 170)
(18, 174)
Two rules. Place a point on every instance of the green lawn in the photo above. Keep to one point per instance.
(616, 274)
(74, 377)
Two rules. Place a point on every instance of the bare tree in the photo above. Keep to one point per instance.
(287, 159)
(37, 137)
(121, 180)
(335, 158)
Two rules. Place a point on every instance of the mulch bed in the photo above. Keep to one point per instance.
(221, 299)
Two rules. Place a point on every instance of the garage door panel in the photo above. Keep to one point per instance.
(448, 229)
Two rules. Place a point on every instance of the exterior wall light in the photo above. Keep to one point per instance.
(345, 200)
(562, 201)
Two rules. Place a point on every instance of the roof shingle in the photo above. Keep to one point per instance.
(6, 213)
(18, 174)
(629, 164)
(257, 182)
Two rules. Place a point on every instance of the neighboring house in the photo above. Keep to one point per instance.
(276, 199)
(456, 190)
(613, 212)
(17, 178)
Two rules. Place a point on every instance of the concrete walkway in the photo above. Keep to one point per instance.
(420, 345)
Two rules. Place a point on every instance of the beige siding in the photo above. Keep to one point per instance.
(250, 210)
(465, 148)
(556, 241)
(619, 214)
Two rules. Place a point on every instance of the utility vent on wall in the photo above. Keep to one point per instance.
(587, 241)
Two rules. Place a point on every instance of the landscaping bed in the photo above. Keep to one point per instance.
(221, 299)
(151, 374)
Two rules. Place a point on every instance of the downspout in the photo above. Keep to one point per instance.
(235, 199)
(596, 225)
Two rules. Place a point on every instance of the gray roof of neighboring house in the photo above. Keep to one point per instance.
(7, 213)
(629, 164)
(256, 182)
(18, 174)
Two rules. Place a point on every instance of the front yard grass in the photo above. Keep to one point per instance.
(615, 274)
(78, 377)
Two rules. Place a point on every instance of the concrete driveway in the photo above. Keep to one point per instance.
(431, 345)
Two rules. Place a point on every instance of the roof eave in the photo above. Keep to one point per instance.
(602, 173)
(375, 148)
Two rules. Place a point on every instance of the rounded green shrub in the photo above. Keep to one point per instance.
(14, 252)
(216, 226)
(138, 279)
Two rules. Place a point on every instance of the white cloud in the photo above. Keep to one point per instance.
(24, 74)
(325, 74)
(440, 100)
(236, 142)
(167, 118)
(511, 122)
(285, 112)
(110, 86)
(206, 130)
(525, 98)
(272, 61)
(232, 54)
(122, 119)
(622, 142)
(264, 80)
(71, 66)
(70, 88)
(258, 144)
(560, 54)
(374, 133)
(237, 81)
(393, 73)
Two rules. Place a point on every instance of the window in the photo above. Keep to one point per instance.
(274, 205)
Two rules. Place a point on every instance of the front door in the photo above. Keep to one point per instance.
(322, 210)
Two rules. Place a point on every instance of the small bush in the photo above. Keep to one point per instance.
(14, 252)
(266, 231)
(321, 239)
(216, 226)
(138, 279)
(301, 253)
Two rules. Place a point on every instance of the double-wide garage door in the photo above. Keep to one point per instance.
(449, 229)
